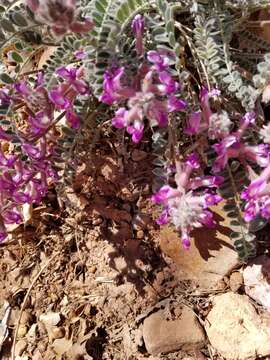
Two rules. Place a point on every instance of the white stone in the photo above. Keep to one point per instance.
(235, 330)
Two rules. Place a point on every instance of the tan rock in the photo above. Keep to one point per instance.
(236, 281)
(20, 347)
(210, 257)
(50, 318)
(235, 330)
(256, 279)
(22, 331)
(163, 336)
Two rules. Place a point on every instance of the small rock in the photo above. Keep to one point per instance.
(22, 331)
(235, 330)
(20, 347)
(140, 234)
(236, 281)
(162, 336)
(138, 155)
(14, 315)
(26, 318)
(257, 280)
(32, 332)
(57, 332)
(50, 319)
(61, 346)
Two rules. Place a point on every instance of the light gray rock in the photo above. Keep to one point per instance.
(163, 336)
(257, 280)
(235, 330)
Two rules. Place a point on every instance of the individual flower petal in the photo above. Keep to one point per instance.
(80, 54)
(111, 85)
(160, 61)
(185, 241)
(138, 29)
(163, 194)
(193, 161)
(175, 104)
(193, 124)
(136, 130)
(205, 181)
(168, 85)
(11, 217)
(73, 119)
(59, 99)
(119, 121)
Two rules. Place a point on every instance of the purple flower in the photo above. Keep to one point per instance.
(138, 28)
(112, 85)
(152, 96)
(12, 216)
(119, 121)
(185, 208)
(60, 15)
(165, 193)
(175, 104)
(73, 119)
(257, 196)
(59, 99)
(163, 218)
(192, 160)
(194, 122)
(71, 76)
(160, 60)
(40, 122)
(22, 88)
(80, 54)
(206, 181)
(168, 85)
(136, 130)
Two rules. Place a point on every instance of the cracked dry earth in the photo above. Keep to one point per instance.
(91, 276)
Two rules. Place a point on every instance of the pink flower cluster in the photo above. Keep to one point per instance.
(60, 15)
(151, 95)
(186, 205)
(25, 175)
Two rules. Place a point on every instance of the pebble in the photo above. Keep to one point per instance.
(163, 336)
(22, 331)
(236, 281)
(57, 332)
(20, 347)
(50, 318)
(26, 318)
